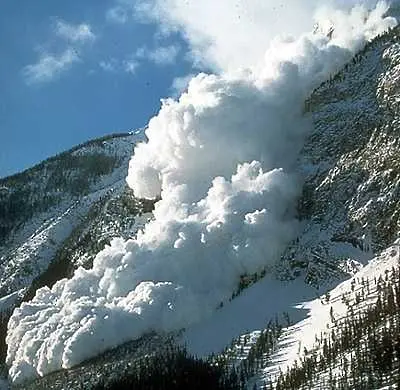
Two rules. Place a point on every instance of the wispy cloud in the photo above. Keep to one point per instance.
(117, 14)
(74, 33)
(162, 55)
(122, 11)
(114, 65)
(50, 65)
(138, 11)
(130, 66)
(111, 65)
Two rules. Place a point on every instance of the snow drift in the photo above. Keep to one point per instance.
(222, 159)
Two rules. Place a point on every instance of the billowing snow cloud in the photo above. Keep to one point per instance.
(226, 35)
(222, 158)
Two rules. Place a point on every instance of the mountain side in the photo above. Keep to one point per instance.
(59, 214)
(41, 207)
(351, 212)
(350, 163)
(350, 215)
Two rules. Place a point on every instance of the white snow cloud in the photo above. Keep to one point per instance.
(49, 66)
(223, 159)
(226, 34)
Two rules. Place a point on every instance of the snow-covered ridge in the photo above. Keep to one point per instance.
(54, 211)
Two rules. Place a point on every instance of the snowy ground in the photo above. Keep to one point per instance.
(270, 297)
(247, 313)
(34, 255)
(309, 312)
(302, 334)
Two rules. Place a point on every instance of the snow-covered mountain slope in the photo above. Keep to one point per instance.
(327, 314)
(350, 204)
(42, 206)
(349, 208)
(57, 215)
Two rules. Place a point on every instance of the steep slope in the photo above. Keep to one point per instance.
(350, 203)
(350, 207)
(42, 206)
(59, 214)
(349, 210)
(344, 333)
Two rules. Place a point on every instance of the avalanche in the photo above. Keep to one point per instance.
(221, 158)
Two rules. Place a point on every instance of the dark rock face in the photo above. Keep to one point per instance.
(351, 165)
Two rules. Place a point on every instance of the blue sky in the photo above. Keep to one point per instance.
(72, 71)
